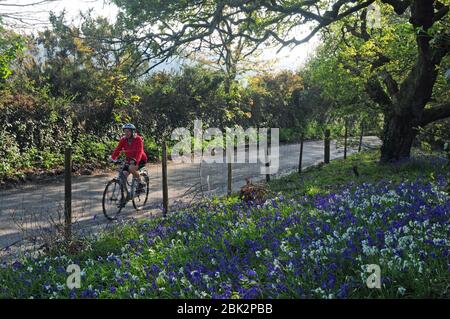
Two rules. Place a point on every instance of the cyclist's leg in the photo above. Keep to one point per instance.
(126, 171)
(137, 174)
(134, 169)
(142, 164)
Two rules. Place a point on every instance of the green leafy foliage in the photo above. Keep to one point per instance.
(11, 45)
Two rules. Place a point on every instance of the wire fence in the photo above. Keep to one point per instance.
(33, 214)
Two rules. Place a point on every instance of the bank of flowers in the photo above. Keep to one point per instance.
(309, 247)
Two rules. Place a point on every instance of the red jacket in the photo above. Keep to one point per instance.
(134, 150)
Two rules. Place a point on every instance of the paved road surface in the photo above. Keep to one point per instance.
(28, 209)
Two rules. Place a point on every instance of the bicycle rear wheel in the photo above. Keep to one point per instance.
(113, 199)
(140, 199)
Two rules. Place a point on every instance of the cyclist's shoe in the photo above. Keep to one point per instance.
(140, 188)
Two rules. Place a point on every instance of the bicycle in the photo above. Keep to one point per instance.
(119, 191)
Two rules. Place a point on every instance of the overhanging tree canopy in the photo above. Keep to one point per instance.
(165, 27)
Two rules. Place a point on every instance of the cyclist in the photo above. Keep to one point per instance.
(133, 147)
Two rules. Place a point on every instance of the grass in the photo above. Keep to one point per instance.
(324, 179)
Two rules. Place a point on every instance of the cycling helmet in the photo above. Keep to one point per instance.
(129, 126)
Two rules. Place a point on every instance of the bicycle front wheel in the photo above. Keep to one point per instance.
(113, 199)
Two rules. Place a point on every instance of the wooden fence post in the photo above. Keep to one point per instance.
(229, 145)
(230, 175)
(361, 137)
(300, 159)
(164, 179)
(68, 194)
(267, 175)
(327, 146)
(345, 140)
(269, 145)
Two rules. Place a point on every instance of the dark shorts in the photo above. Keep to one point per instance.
(141, 165)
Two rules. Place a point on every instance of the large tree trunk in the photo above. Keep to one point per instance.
(404, 104)
(400, 131)
(398, 137)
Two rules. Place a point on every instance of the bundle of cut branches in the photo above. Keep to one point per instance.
(254, 192)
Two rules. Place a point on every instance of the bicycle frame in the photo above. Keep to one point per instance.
(123, 181)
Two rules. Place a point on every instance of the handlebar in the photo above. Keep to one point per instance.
(118, 161)
(121, 161)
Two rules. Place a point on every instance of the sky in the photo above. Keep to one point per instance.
(285, 59)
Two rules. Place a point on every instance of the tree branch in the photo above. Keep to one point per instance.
(376, 93)
(442, 10)
(398, 5)
(438, 112)
(391, 84)
(25, 4)
(382, 60)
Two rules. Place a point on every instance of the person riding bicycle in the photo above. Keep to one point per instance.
(133, 147)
